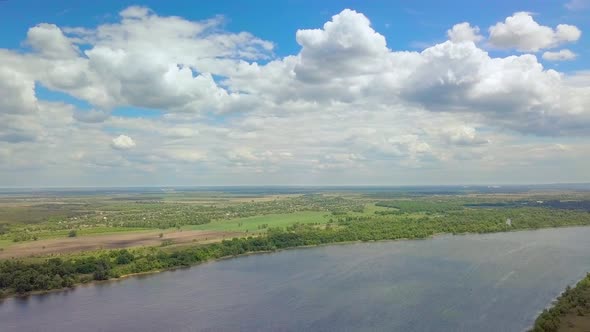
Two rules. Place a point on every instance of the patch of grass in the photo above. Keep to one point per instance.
(251, 224)
(5, 243)
(49, 234)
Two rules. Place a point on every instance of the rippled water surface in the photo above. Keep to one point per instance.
(493, 282)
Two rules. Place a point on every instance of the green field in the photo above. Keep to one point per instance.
(370, 210)
(5, 243)
(251, 224)
(90, 231)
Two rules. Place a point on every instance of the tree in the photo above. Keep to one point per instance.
(22, 282)
(102, 269)
(56, 282)
(124, 257)
(72, 233)
(100, 274)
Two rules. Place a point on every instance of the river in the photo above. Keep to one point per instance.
(491, 282)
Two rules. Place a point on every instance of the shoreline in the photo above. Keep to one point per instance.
(554, 301)
(4, 297)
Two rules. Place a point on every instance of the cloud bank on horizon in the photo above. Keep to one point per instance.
(345, 109)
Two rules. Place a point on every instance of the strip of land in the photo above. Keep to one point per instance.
(51, 241)
(111, 241)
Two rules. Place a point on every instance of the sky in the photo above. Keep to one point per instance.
(154, 93)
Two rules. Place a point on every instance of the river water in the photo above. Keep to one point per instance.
(492, 282)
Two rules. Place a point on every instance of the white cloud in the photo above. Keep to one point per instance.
(463, 135)
(464, 32)
(122, 142)
(520, 31)
(514, 92)
(345, 107)
(176, 76)
(246, 156)
(17, 91)
(180, 132)
(561, 55)
(135, 12)
(49, 40)
(347, 45)
(185, 155)
(19, 107)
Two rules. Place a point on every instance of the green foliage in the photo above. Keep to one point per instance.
(45, 220)
(101, 271)
(124, 257)
(22, 236)
(25, 277)
(271, 220)
(22, 277)
(40, 212)
(338, 213)
(302, 219)
(422, 205)
(572, 301)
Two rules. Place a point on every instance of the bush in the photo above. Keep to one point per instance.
(124, 257)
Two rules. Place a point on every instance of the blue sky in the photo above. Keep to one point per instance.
(406, 25)
(480, 107)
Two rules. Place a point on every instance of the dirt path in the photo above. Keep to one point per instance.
(111, 241)
(574, 323)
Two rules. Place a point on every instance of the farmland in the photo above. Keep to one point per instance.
(31, 224)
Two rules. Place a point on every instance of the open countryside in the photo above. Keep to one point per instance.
(100, 235)
(334, 165)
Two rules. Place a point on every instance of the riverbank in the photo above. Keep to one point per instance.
(385, 285)
(7, 295)
(570, 312)
(118, 265)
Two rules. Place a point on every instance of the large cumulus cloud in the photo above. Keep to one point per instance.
(347, 61)
(345, 105)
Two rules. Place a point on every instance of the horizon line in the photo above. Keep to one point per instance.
(301, 185)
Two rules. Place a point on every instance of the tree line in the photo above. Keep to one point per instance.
(24, 276)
